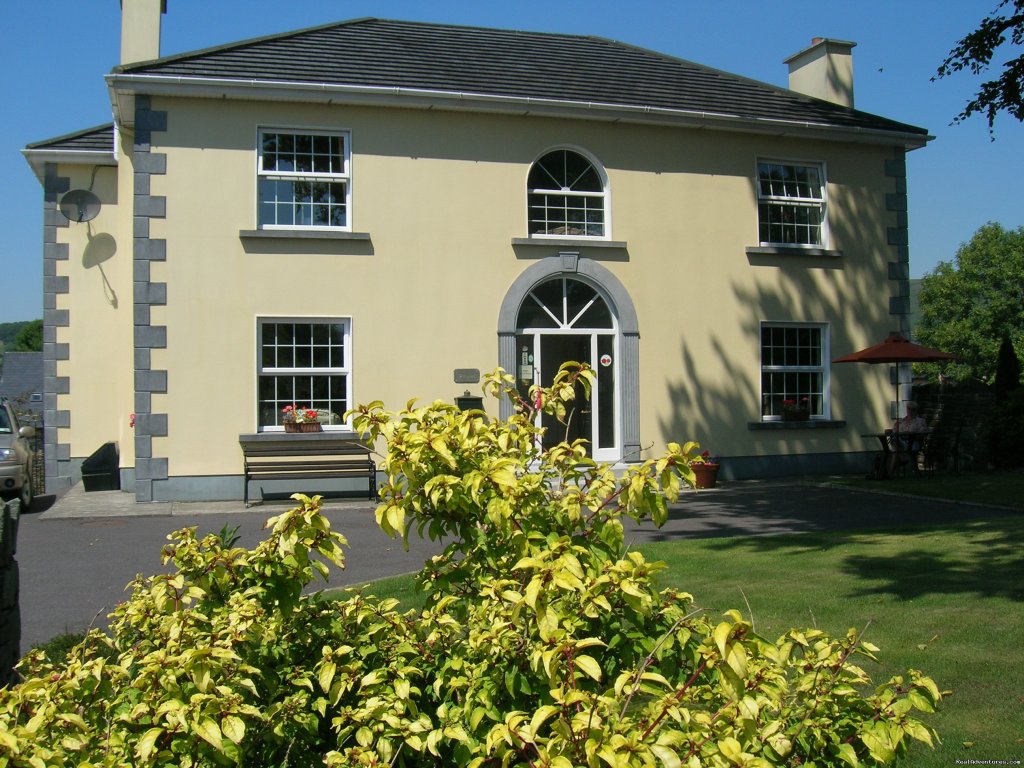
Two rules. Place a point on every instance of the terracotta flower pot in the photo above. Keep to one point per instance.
(302, 426)
(707, 474)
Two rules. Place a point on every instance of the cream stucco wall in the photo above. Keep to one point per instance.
(442, 195)
(99, 304)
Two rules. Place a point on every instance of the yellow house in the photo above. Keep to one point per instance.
(380, 209)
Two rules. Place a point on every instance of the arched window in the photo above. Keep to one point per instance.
(566, 196)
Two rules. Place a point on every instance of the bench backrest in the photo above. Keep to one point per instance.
(299, 448)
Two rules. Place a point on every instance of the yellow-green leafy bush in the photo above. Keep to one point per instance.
(542, 641)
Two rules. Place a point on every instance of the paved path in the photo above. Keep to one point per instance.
(77, 553)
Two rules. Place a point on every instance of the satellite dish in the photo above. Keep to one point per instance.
(80, 205)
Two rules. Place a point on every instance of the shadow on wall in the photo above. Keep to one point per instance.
(850, 292)
(100, 248)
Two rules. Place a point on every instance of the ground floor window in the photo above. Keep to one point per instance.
(305, 362)
(794, 370)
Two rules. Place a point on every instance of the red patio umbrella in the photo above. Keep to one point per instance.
(897, 349)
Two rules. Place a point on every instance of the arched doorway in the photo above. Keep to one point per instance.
(562, 319)
(567, 308)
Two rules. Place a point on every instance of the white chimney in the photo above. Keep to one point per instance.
(824, 70)
(140, 29)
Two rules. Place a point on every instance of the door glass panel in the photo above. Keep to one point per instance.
(532, 315)
(577, 296)
(606, 391)
(525, 372)
(597, 316)
(556, 350)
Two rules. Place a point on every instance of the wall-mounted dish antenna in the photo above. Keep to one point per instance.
(80, 205)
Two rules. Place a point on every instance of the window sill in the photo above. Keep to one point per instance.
(792, 250)
(569, 242)
(327, 434)
(301, 234)
(809, 424)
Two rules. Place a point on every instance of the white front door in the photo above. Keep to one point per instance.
(565, 319)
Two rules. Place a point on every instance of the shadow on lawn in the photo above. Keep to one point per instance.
(986, 560)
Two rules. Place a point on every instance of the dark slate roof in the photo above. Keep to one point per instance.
(380, 53)
(22, 376)
(98, 139)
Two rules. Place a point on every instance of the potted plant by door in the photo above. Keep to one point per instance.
(705, 468)
(300, 419)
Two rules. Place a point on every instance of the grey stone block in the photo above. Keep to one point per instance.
(151, 336)
(55, 284)
(896, 202)
(154, 424)
(897, 236)
(153, 206)
(150, 381)
(150, 249)
(57, 318)
(151, 293)
(154, 163)
(56, 251)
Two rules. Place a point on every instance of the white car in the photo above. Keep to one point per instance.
(16, 457)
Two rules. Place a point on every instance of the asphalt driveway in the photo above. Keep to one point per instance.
(77, 553)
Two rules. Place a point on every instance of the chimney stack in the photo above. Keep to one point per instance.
(824, 70)
(140, 29)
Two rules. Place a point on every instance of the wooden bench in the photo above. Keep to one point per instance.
(301, 457)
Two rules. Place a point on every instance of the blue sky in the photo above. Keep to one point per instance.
(55, 54)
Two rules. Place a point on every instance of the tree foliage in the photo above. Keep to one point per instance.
(29, 338)
(543, 641)
(975, 52)
(968, 306)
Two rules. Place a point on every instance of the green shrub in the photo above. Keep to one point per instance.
(542, 641)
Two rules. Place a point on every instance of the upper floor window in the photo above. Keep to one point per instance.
(791, 204)
(567, 196)
(304, 179)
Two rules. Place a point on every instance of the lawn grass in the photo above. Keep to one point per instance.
(943, 599)
(1003, 488)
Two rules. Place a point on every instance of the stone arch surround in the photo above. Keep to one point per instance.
(571, 264)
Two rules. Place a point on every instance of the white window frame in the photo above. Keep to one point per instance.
(344, 176)
(821, 203)
(824, 368)
(343, 370)
(605, 195)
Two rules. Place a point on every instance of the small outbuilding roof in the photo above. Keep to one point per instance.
(21, 378)
(97, 139)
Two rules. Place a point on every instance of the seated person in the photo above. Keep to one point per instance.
(906, 436)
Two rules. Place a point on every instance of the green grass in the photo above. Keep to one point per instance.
(943, 599)
(1005, 488)
(946, 600)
